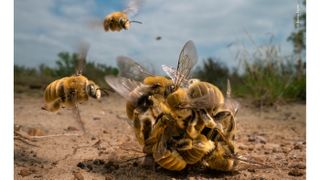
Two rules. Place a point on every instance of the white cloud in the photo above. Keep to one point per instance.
(40, 32)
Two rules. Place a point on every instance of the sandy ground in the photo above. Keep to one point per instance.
(274, 135)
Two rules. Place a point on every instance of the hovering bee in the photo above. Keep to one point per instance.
(71, 90)
(116, 21)
(68, 91)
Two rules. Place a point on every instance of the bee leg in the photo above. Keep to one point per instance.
(53, 106)
(183, 144)
(208, 120)
(191, 129)
(77, 116)
(226, 140)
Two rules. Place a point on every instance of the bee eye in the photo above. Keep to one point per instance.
(122, 21)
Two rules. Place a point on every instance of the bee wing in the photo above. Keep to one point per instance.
(173, 74)
(131, 69)
(133, 7)
(125, 87)
(231, 103)
(202, 102)
(187, 59)
(81, 57)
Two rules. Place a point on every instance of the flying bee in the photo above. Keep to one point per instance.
(68, 91)
(116, 21)
(72, 90)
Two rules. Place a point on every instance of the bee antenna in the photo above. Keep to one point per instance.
(236, 157)
(139, 22)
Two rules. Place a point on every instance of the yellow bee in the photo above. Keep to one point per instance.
(116, 21)
(220, 158)
(165, 153)
(138, 104)
(200, 146)
(71, 90)
(68, 91)
(224, 157)
(138, 86)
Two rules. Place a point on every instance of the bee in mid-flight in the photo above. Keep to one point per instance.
(117, 21)
(71, 90)
(68, 91)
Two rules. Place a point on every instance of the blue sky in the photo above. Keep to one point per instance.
(45, 28)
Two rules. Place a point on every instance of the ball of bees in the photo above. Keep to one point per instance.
(179, 121)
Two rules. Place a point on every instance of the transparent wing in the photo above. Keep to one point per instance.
(123, 86)
(173, 74)
(187, 59)
(229, 102)
(133, 7)
(171, 71)
(130, 89)
(131, 69)
(81, 57)
(202, 102)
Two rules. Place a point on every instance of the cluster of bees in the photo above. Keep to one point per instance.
(177, 120)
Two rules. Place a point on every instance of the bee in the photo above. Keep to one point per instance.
(165, 147)
(139, 87)
(220, 158)
(72, 90)
(117, 21)
(200, 146)
(224, 157)
(137, 106)
(68, 91)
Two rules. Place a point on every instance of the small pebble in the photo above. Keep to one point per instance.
(298, 165)
(78, 176)
(81, 165)
(26, 172)
(296, 172)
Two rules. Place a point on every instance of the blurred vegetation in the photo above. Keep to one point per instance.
(268, 77)
(38, 78)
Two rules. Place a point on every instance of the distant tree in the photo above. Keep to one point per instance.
(45, 70)
(213, 71)
(66, 64)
